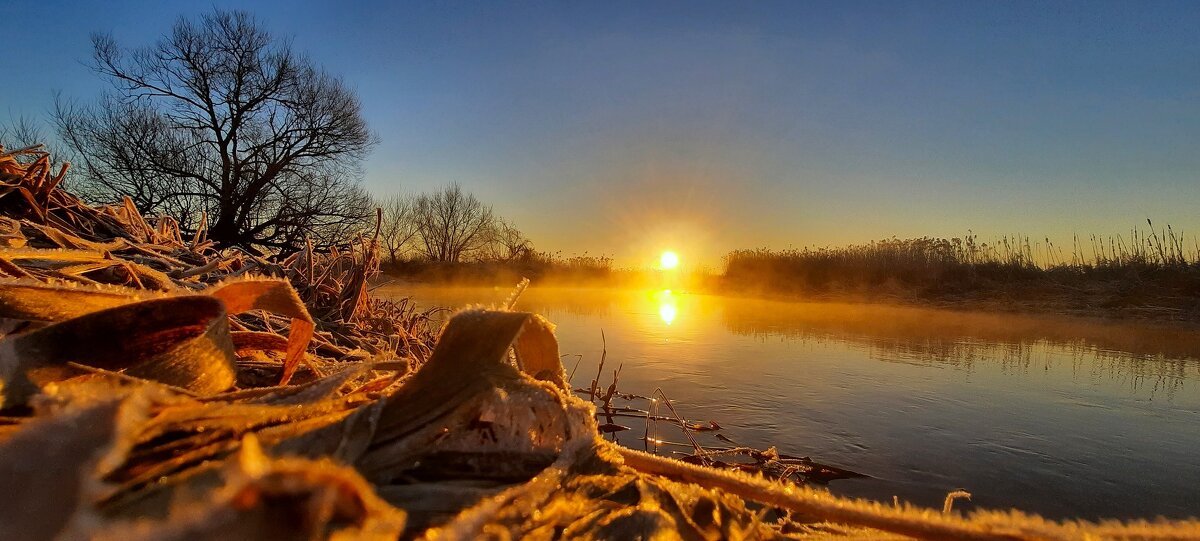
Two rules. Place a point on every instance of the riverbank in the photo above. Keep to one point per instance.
(1171, 298)
(1142, 297)
(1112, 301)
(1148, 276)
(539, 268)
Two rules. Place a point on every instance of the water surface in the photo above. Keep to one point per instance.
(1063, 417)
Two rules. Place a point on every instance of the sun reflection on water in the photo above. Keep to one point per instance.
(667, 307)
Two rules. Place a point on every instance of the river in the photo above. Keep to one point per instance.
(1062, 417)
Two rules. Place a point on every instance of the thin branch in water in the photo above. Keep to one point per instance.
(595, 388)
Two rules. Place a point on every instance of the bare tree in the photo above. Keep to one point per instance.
(506, 242)
(399, 227)
(452, 223)
(220, 117)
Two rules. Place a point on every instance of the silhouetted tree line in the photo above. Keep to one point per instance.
(449, 225)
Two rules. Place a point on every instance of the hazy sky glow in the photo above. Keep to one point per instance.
(624, 128)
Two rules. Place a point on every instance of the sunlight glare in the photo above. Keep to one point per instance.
(667, 313)
(666, 306)
(669, 260)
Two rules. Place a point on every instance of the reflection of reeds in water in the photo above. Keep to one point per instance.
(1165, 355)
(1165, 375)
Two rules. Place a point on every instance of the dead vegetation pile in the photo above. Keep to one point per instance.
(155, 387)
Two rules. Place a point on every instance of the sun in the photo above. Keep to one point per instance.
(669, 260)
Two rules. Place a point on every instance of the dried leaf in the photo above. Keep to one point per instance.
(537, 351)
(277, 297)
(180, 341)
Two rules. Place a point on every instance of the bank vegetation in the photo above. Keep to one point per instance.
(1152, 273)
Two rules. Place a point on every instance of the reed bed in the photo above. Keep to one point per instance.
(1147, 274)
(156, 386)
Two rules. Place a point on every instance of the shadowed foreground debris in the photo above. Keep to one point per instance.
(149, 394)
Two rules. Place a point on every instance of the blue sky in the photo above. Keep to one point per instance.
(625, 127)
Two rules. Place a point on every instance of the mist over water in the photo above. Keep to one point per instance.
(1063, 417)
